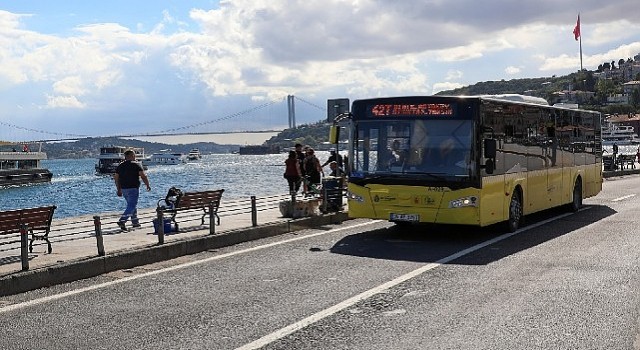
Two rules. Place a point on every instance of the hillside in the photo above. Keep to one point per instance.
(90, 147)
(542, 87)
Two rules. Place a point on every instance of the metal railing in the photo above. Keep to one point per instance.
(87, 226)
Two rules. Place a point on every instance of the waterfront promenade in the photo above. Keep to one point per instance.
(76, 255)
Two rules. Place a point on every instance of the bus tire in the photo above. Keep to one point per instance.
(515, 212)
(576, 203)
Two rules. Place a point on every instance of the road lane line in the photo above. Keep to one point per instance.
(623, 198)
(283, 332)
(54, 297)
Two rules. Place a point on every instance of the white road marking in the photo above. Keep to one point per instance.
(170, 268)
(623, 198)
(283, 332)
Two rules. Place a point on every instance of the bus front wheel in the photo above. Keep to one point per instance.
(515, 212)
(576, 204)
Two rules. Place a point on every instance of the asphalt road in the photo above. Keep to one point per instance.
(564, 281)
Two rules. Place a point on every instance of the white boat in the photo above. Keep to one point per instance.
(165, 157)
(619, 134)
(111, 156)
(194, 155)
(22, 167)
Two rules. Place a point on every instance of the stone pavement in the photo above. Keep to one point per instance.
(75, 252)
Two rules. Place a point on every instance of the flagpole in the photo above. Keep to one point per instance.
(581, 51)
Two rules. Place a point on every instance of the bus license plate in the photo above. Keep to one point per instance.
(405, 217)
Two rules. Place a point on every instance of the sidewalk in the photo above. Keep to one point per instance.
(75, 250)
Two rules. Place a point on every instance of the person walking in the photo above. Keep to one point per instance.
(292, 172)
(127, 179)
(301, 153)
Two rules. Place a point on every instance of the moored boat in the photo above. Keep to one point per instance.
(619, 134)
(111, 156)
(22, 168)
(165, 157)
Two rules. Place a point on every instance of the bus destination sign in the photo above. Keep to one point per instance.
(420, 109)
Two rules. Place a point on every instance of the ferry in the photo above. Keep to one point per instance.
(111, 156)
(194, 155)
(22, 167)
(164, 157)
(619, 134)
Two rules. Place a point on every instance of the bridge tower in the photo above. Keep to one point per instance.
(292, 111)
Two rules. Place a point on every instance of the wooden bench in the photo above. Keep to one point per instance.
(208, 201)
(34, 219)
(626, 161)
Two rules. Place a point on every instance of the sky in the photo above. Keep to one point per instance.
(106, 68)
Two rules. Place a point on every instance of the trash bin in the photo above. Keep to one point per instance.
(332, 188)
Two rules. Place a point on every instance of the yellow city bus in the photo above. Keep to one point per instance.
(468, 160)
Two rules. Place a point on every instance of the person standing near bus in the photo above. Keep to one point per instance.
(312, 168)
(127, 179)
(292, 172)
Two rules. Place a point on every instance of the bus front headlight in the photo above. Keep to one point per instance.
(471, 201)
(354, 197)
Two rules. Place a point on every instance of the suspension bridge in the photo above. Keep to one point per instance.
(269, 113)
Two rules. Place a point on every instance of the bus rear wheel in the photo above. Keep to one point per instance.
(515, 212)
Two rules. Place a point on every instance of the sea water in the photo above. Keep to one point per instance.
(76, 190)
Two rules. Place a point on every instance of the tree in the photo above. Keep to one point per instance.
(621, 62)
(635, 97)
(613, 64)
(604, 89)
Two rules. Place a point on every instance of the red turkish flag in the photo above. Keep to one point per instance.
(576, 30)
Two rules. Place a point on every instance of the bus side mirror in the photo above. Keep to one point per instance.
(490, 151)
(489, 166)
(334, 134)
(490, 148)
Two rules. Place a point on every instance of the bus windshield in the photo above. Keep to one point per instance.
(424, 147)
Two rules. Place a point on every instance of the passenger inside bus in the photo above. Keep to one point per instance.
(398, 156)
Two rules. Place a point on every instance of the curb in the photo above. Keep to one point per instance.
(608, 174)
(25, 281)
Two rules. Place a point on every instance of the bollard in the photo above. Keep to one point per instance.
(212, 220)
(254, 212)
(24, 255)
(292, 204)
(160, 227)
(99, 241)
(325, 199)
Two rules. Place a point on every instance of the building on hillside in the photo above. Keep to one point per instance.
(629, 86)
(573, 96)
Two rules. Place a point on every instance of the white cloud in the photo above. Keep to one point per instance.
(266, 49)
(454, 74)
(511, 70)
(63, 102)
(437, 87)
